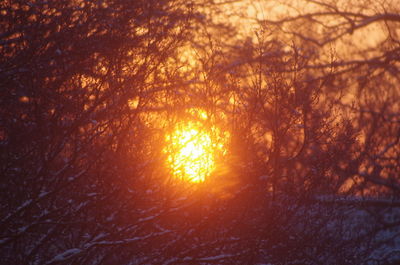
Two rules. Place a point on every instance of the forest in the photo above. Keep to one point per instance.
(200, 132)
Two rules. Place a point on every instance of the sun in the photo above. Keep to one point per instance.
(192, 150)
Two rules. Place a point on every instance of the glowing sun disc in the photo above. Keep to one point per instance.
(191, 150)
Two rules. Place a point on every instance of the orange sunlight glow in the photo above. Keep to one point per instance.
(192, 150)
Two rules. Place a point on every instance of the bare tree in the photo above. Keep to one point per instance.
(363, 41)
(68, 72)
(89, 90)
